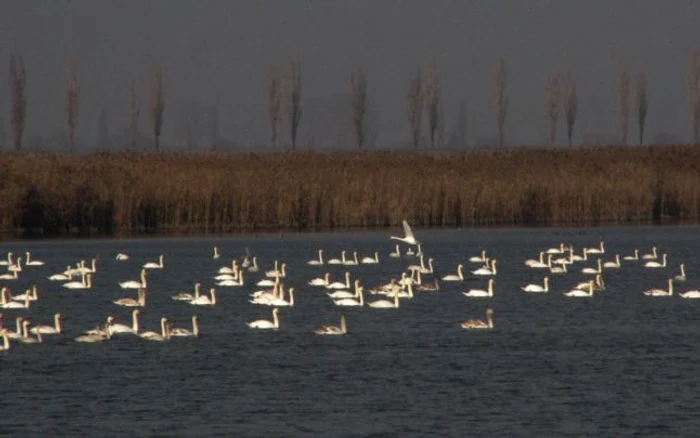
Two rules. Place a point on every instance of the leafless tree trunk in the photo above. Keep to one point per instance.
(103, 130)
(693, 83)
(157, 103)
(273, 101)
(358, 104)
(18, 100)
(500, 99)
(571, 104)
(642, 104)
(415, 107)
(623, 96)
(552, 99)
(134, 124)
(72, 101)
(294, 103)
(213, 119)
(432, 98)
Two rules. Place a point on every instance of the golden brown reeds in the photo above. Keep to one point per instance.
(130, 192)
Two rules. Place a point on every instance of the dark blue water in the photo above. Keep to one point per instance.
(620, 363)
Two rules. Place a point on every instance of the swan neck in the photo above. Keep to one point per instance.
(275, 318)
(195, 326)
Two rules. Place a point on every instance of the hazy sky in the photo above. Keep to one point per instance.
(217, 52)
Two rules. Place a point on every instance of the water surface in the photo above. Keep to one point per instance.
(617, 364)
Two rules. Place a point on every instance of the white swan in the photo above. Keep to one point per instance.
(332, 329)
(130, 302)
(661, 292)
(651, 256)
(183, 332)
(537, 287)
(340, 285)
(561, 269)
(581, 292)
(31, 294)
(92, 338)
(578, 258)
(371, 260)
(345, 293)
(386, 304)
(14, 275)
(458, 277)
(121, 256)
(597, 270)
(408, 235)
(353, 261)
(681, 276)
(338, 261)
(235, 283)
(31, 262)
(265, 324)
(132, 284)
(5, 342)
(484, 270)
(632, 257)
(7, 303)
(82, 269)
(396, 253)
(655, 264)
(479, 259)
(216, 253)
(277, 273)
(478, 324)
(535, 263)
(254, 267)
(352, 302)
(18, 329)
(86, 283)
(188, 296)
(17, 266)
(164, 334)
(599, 250)
(123, 328)
(556, 250)
(47, 329)
(614, 264)
(63, 276)
(229, 270)
(204, 300)
(8, 261)
(691, 294)
(320, 281)
(480, 292)
(280, 301)
(153, 265)
(25, 335)
(317, 262)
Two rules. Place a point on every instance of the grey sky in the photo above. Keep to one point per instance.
(217, 52)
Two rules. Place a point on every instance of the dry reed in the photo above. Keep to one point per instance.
(130, 192)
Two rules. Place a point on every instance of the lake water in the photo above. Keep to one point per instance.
(617, 364)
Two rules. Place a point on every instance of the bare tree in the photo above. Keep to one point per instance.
(642, 104)
(571, 108)
(134, 123)
(294, 103)
(103, 141)
(693, 83)
(500, 99)
(415, 107)
(18, 100)
(157, 103)
(213, 121)
(72, 101)
(273, 101)
(552, 101)
(623, 96)
(358, 104)
(432, 101)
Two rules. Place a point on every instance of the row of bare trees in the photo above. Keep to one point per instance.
(423, 94)
(18, 103)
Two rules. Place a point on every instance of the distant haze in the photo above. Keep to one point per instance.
(217, 53)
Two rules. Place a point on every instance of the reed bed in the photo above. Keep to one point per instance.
(127, 192)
